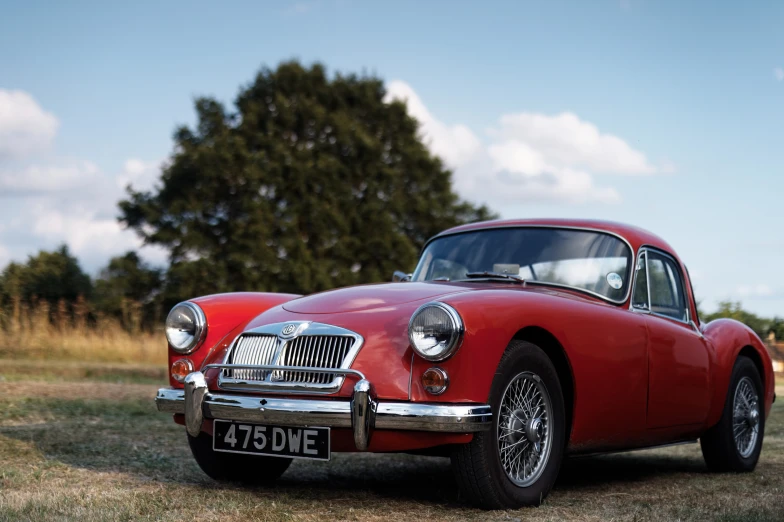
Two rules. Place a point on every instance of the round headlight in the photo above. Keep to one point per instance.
(435, 331)
(185, 327)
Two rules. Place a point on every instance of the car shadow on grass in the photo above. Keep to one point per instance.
(600, 470)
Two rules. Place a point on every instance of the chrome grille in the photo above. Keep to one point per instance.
(313, 351)
(292, 346)
(254, 349)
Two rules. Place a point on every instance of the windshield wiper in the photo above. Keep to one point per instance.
(494, 275)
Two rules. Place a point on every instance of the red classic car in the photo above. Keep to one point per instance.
(512, 344)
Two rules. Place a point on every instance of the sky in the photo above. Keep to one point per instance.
(667, 115)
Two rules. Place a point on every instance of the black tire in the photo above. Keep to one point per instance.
(250, 470)
(718, 444)
(477, 465)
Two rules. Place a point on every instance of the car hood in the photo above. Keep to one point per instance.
(369, 297)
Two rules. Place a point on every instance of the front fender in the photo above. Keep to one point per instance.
(227, 315)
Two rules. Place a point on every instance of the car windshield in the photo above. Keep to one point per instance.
(590, 261)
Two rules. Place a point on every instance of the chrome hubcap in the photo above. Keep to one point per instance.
(534, 430)
(524, 429)
(745, 417)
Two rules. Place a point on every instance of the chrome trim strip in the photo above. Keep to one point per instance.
(300, 329)
(633, 308)
(450, 418)
(411, 374)
(559, 227)
(282, 387)
(629, 450)
(342, 371)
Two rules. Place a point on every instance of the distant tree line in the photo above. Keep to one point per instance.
(128, 290)
(138, 295)
(761, 325)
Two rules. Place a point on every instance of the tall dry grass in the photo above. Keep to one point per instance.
(37, 331)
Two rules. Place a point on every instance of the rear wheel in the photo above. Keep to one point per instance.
(234, 467)
(734, 444)
(516, 462)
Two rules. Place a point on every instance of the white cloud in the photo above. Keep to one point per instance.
(567, 141)
(752, 291)
(141, 175)
(24, 126)
(49, 178)
(455, 144)
(299, 8)
(556, 186)
(778, 73)
(81, 230)
(62, 200)
(529, 156)
(87, 234)
(76, 204)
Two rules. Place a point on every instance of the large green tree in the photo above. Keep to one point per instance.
(309, 183)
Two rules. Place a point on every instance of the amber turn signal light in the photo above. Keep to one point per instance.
(180, 369)
(435, 381)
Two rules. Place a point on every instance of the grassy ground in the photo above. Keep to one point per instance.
(88, 444)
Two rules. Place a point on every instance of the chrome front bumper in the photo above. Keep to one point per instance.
(363, 413)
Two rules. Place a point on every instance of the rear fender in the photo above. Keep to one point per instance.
(729, 338)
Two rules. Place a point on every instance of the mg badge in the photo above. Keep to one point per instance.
(288, 329)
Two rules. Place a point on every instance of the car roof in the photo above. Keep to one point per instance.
(636, 236)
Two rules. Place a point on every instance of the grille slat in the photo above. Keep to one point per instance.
(257, 349)
(331, 356)
(323, 361)
(310, 357)
(338, 350)
(310, 351)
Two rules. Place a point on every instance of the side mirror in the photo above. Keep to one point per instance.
(400, 277)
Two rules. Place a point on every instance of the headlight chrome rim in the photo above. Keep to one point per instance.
(457, 326)
(200, 323)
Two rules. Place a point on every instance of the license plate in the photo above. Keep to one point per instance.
(273, 441)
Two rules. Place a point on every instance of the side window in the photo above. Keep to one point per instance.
(666, 287)
(640, 296)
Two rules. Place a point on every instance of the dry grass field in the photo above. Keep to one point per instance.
(83, 441)
(37, 332)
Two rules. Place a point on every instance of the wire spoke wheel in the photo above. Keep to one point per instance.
(524, 430)
(745, 417)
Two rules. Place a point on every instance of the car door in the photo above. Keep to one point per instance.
(678, 363)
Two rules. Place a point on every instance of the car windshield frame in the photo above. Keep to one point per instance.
(629, 272)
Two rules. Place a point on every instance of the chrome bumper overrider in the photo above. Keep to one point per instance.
(363, 413)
